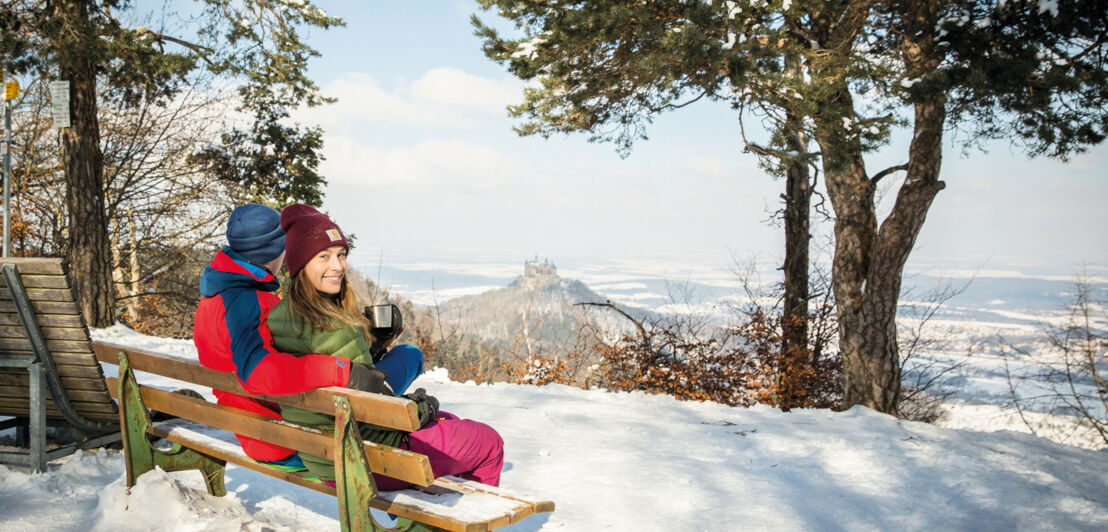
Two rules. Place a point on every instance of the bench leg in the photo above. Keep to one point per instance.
(141, 456)
(36, 425)
(354, 486)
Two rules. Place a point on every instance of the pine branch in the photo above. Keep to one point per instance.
(888, 171)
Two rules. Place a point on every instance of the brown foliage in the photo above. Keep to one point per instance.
(699, 373)
(742, 366)
(167, 305)
(802, 377)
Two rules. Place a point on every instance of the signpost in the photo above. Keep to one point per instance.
(59, 97)
(11, 92)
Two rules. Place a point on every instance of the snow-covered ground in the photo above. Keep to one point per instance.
(628, 461)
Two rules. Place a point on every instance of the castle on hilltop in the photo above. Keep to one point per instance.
(536, 274)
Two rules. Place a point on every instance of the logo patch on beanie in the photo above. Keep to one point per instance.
(334, 235)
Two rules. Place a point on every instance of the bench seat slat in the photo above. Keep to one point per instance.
(40, 280)
(23, 380)
(450, 503)
(231, 452)
(392, 412)
(50, 333)
(11, 319)
(36, 265)
(43, 307)
(540, 506)
(396, 463)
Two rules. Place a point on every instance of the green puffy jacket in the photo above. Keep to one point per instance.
(294, 335)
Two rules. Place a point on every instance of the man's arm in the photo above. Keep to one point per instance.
(264, 370)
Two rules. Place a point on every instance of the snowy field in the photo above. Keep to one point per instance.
(978, 393)
(627, 461)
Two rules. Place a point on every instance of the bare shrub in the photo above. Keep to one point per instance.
(928, 379)
(1066, 373)
(739, 364)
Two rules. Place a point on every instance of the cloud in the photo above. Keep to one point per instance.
(455, 88)
(362, 100)
(440, 97)
(431, 161)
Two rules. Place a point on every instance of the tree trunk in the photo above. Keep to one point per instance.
(871, 374)
(869, 260)
(135, 277)
(794, 326)
(88, 252)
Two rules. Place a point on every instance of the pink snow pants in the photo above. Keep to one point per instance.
(460, 447)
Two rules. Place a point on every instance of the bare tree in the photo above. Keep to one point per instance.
(165, 215)
(786, 375)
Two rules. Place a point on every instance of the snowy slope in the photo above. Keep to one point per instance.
(627, 461)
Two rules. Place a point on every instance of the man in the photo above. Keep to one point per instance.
(231, 335)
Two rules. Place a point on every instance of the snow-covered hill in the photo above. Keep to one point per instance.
(628, 461)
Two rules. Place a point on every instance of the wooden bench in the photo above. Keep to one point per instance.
(199, 442)
(45, 347)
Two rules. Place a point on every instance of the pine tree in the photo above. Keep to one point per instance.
(844, 73)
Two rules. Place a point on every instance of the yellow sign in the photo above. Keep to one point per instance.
(11, 90)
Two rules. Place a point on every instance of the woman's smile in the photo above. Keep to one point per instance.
(327, 269)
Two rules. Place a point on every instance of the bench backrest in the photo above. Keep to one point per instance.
(388, 412)
(67, 340)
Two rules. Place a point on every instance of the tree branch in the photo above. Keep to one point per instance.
(191, 46)
(146, 294)
(888, 171)
(609, 304)
(671, 106)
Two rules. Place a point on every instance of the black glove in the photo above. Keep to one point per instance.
(428, 405)
(367, 379)
(382, 336)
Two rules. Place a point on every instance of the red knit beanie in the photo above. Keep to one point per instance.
(307, 232)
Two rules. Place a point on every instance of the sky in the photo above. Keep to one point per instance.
(422, 163)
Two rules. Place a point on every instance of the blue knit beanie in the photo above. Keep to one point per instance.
(254, 231)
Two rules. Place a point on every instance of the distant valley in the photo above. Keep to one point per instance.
(505, 302)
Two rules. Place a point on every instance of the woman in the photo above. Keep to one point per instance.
(320, 314)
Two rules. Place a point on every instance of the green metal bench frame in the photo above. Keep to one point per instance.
(354, 483)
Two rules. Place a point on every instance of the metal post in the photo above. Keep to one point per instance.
(38, 418)
(7, 177)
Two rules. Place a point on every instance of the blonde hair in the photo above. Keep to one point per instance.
(323, 313)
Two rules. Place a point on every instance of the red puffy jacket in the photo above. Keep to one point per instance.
(231, 335)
